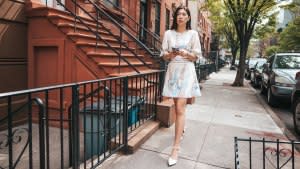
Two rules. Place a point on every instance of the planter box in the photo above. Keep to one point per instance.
(166, 112)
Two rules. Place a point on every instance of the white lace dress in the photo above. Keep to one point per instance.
(181, 79)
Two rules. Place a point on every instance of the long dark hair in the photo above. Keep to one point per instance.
(188, 24)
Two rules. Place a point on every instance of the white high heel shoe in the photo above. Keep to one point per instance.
(172, 161)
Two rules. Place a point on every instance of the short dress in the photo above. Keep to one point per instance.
(181, 79)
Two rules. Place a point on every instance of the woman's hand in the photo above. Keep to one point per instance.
(187, 55)
(170, 55)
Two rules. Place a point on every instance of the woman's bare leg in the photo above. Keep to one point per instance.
(180, 104)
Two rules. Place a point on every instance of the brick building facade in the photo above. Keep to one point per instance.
(155, 15)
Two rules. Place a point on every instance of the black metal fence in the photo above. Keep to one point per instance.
(74, 125)
(204, 70)
(254, 153)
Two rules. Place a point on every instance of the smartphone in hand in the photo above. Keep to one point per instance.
(175, 49)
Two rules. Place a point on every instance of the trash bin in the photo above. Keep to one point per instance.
(98, 132)
(96, 116)
(135, 105)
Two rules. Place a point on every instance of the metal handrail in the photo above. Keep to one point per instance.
(117, 38)
(121, 27)
(157, 39)
(96, 34)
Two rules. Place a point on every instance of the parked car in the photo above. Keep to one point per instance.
(278, 77)
(295, 100)
(250, 65)
(256, 72)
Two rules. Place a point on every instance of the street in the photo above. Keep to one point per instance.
(283, 111)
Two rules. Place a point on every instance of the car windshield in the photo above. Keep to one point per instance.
(287, 62)
(261, 63)
(252, 62)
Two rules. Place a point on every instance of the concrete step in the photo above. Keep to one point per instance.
(141, 134)
(102, 48)
(103, 57)
(111, 54)
(92, 45)
(123, 63)
(81, 38)
(131, 73)
(69, 27)
(67, 18)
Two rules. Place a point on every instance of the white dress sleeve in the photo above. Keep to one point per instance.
(196, 46)
(165, 44)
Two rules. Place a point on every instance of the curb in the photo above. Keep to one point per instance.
(274, 116)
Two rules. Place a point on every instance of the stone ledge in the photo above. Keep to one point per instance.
(141, 135)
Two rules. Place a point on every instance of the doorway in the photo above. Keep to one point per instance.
(157, 18)
(143, 20)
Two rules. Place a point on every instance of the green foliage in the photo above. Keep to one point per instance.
(216, 9)
(290, 37)
(245, 14)
(266, 30)
(222, 24)
(272, 50)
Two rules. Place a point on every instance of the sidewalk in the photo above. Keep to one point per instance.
(222, 113)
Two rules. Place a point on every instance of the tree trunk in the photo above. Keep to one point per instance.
(239, 78)
(234, 52)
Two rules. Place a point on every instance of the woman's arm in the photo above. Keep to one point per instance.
(168, 56)
(165, 53)
(188, 55)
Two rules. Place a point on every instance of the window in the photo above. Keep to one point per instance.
(143, 20)
(287, 62)
(54, 4)
(157, 18)
(167, 19)
(111, 3)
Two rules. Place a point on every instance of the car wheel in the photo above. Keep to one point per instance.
(270, 97)
(296, 115)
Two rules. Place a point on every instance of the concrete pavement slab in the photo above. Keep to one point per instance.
(162, 140)
(207, 166)
(243, 119)
(200, 113)
(144, 159)
(218, 148)
(206, 100)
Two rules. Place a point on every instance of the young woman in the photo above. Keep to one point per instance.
(180, 47)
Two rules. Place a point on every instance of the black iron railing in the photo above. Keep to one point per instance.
(266, 154)
(76, 125)
(126, 31)
(151, 40)
(99, 38)
(204, 70)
